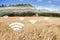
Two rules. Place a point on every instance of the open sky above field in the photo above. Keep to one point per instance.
(51, 4)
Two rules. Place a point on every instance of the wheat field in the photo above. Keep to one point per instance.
(41, 30)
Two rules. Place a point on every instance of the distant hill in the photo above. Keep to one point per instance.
(19, 9)
(25, 10)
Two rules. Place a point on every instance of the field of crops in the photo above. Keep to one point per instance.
(42, 29)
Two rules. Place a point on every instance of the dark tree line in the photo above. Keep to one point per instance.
(50, 14)
(16, 5)
(2, 5)
(30, 14)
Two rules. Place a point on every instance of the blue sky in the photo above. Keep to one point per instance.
(53, 4)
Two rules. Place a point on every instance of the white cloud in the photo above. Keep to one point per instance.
(39, 0)
(20, 0)
(50, 8)
(53, 1)
(49, 2)
(40, 7)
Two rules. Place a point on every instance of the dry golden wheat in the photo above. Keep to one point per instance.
(41, 30)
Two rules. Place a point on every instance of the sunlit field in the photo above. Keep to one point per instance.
(42, 29)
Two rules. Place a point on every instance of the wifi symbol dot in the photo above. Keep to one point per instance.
(5, 16)
(32, 21)
(16, 26)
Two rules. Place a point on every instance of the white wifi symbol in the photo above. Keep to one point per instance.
(16, 26)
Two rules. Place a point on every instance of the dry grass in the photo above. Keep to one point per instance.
(41, 30)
